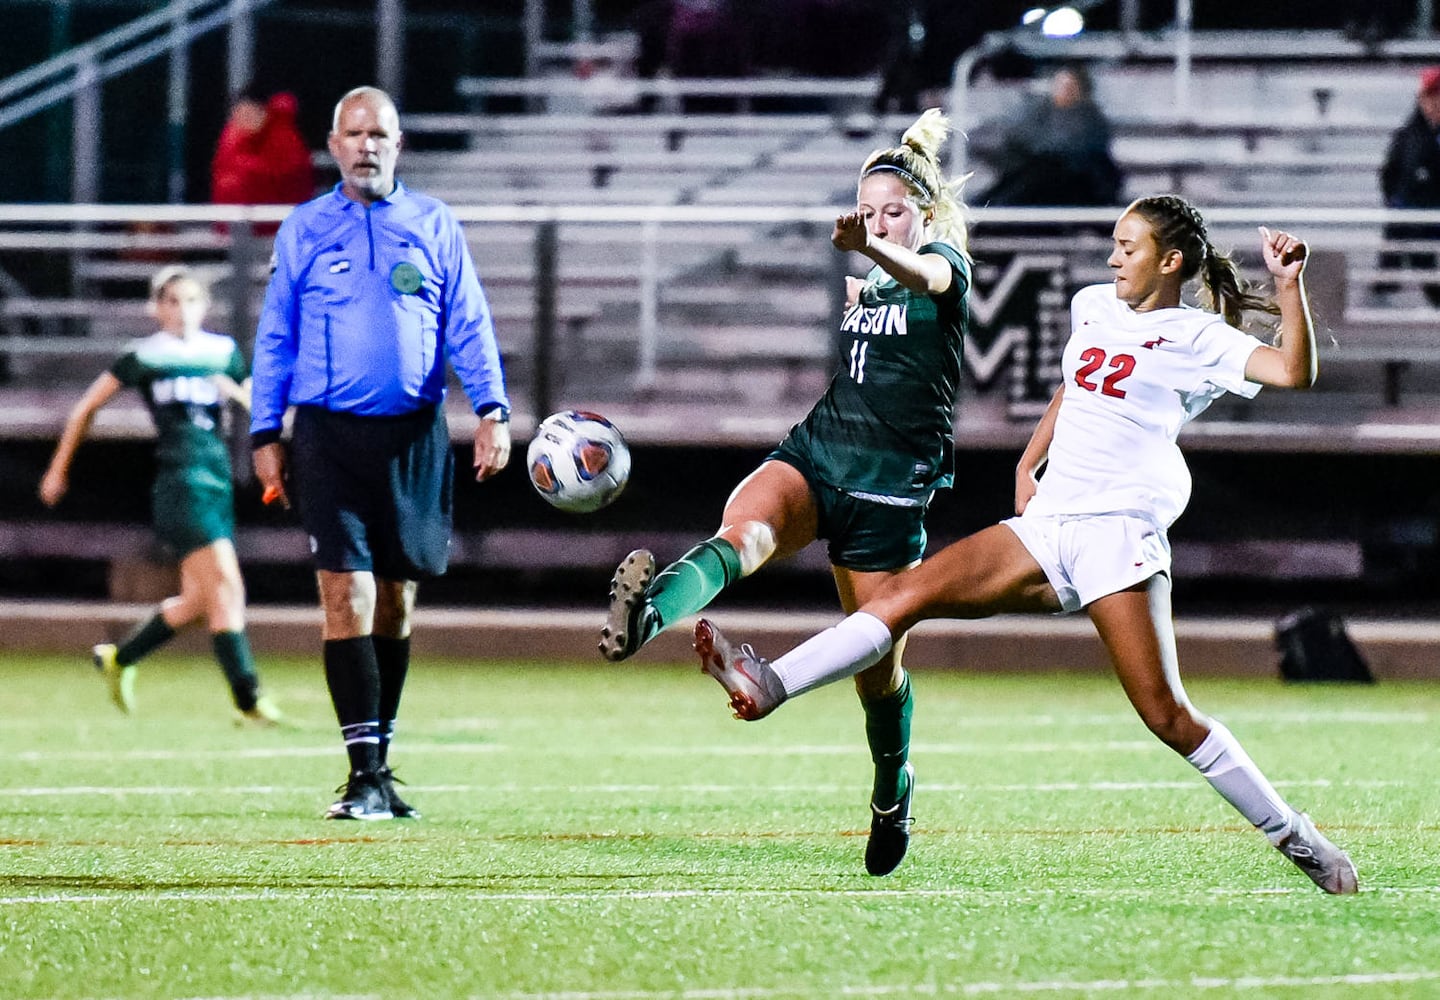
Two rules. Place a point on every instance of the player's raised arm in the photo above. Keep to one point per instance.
(1293, 364)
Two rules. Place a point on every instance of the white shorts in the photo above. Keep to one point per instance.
(1087, 556)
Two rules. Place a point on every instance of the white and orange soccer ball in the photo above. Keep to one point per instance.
(578, 461)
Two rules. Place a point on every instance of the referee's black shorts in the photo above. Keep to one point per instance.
(375, 493)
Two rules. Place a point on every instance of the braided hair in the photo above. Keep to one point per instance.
(1177, 225)
(916, 161)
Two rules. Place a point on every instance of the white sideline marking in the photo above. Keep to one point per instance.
(721, 749)
(1000, 897)
(643, 789)
(983, 988)
(725, 750)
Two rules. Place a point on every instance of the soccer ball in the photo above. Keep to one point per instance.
(578, 461)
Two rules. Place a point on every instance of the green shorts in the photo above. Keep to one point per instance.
(190, 515)
(866, 536)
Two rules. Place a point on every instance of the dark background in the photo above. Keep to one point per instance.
(1388, 502)
(318, 51)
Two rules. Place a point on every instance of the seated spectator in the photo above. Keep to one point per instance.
(1057, 151)
(1410, 178)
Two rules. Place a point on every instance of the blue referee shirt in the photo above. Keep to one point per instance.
(364, 305)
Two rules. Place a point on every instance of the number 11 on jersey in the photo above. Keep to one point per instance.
(857, 359)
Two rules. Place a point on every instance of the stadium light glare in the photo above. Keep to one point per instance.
(1032, 15)
(1063, 22)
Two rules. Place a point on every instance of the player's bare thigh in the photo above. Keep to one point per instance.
(776, 500)
(986, 573)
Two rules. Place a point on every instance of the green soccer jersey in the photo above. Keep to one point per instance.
(174, 375)
(884, 426)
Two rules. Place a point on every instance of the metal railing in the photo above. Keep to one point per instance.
(77, 76)
(646, 306)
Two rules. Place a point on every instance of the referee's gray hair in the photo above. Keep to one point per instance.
(366, 91)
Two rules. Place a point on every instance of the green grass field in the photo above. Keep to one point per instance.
(606, 832)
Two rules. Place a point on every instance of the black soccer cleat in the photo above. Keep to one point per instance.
(362, 798)
(399, 808)
(890, 830)
(624, 629)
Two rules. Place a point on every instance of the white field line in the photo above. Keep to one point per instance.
(1018, 721)
(549, 751)
(995, 897)
(647, 789)
(1227, 984)
(724, 749)
(929, 989)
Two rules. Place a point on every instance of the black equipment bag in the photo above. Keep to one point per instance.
(1314, 646)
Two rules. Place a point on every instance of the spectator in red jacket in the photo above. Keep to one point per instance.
(238, 172)
(261, 157)
(287, 157)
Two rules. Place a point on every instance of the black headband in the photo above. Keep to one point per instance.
(907, 175)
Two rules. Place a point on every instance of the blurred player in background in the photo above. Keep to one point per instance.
(859, 471)
(1091, 533)
(186, 375)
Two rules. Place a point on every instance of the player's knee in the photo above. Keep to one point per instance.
(754, 541)
(230, 598)
(880, 681)
(1173, 724)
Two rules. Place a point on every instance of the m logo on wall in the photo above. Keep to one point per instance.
(1019, 321)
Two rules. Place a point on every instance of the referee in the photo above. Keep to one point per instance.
(371, 288)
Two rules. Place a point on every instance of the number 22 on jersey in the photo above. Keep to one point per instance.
(1121, 366)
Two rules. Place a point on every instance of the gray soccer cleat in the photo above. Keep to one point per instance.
(623, 632)
(755, 689)
(1312, 852)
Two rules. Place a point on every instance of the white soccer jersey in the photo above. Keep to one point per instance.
(1132, 380)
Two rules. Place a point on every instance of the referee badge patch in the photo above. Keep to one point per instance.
(406, 278)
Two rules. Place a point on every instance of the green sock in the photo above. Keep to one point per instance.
(887, 729)
(148, 637)
(232, 650)
(690, 583)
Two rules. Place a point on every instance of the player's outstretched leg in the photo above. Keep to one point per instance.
(624, 629)
(890, 830)
(1313, 853)
(119, 680)
(755, 689)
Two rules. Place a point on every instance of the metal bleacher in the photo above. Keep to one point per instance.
(673, 268)
(691, 258)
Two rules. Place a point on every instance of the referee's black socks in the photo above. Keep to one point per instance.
(353, 675)
(392, 656)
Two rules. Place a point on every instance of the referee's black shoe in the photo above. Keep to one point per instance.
(362, 798)
(399, 808)
(890, 830)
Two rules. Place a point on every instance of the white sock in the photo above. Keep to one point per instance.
(1231, 772)
(857, 642)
